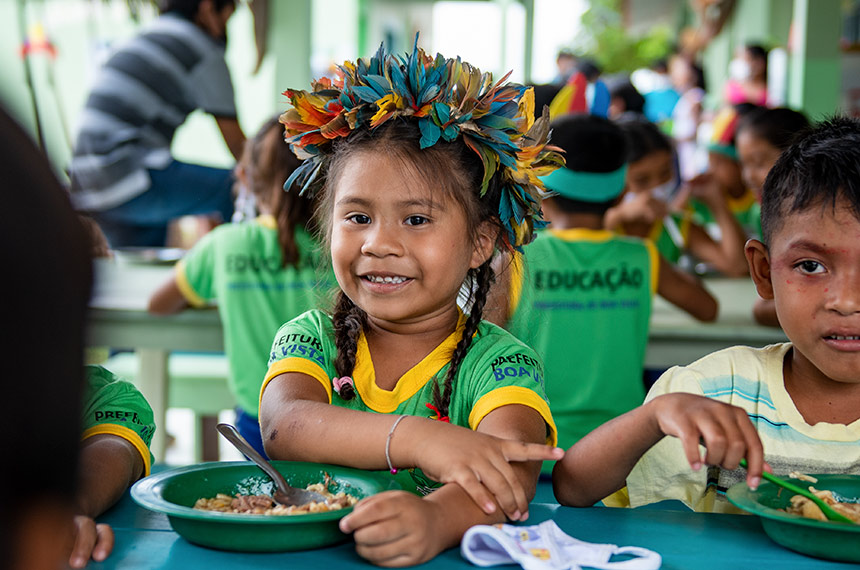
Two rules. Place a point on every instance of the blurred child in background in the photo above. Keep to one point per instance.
(689, 81)
(581, 295)
(724, 171)
(763, 135)
(793, 405)
(261, 273)
(645, 211)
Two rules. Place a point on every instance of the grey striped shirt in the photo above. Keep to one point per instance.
(143, 93)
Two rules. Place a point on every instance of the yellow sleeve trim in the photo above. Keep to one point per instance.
(654, 256)
(185, 287)
(620, 498)
(125, 433)
(300, 365)
(516, 289)
(513, 395)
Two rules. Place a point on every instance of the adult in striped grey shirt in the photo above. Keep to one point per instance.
(122, 171)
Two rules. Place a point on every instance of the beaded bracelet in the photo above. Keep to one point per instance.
(388, 444)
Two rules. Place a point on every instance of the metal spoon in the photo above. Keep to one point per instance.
(283, 494)
(825, 508)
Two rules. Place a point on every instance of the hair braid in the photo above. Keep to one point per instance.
(481, 279)
(348, 320)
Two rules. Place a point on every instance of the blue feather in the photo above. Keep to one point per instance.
(429, 132)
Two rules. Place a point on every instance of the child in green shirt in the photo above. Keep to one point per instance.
(261, 272)
(581, 295)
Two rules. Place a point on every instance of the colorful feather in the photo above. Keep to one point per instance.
(448, 98)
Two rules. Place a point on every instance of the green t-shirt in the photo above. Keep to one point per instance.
(497, 370)
(239, 265)
(116, 407)
(582, 299)
(746, 209)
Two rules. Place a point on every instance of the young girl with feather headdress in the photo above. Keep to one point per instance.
(424, 168)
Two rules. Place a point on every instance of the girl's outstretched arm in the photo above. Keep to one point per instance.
(298, 423)
(167, 299)
(598, 464)
(685, 292)
(401, 529)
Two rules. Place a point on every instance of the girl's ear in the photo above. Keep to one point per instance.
(485, 244)
(759, 262)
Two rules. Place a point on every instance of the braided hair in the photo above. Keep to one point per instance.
(455, 170)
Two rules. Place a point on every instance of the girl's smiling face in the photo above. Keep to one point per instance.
(814, 266)
(757, 157)
(400, 248)
(650, 171)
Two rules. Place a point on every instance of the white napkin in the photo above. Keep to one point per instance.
(546, 547)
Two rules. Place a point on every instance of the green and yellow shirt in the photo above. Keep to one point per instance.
(116, 407)
(497, 370)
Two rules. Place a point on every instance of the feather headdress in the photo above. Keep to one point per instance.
(447, 98)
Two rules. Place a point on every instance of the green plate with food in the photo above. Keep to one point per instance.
(819, 538)
(237, 492)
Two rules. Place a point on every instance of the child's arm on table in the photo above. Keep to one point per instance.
(168, 299)
(400, 529)
(598, 465)
(298, 423)
(108, 465)
(727, 255)
(685, 292)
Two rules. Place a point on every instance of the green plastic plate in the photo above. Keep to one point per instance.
(822, 539)
(174, 492)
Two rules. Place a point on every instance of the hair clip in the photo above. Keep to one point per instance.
(340, 383)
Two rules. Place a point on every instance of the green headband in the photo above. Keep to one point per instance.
(586, 186)
(728, 150)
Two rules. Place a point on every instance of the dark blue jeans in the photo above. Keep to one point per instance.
(181, 189)
(249, 428)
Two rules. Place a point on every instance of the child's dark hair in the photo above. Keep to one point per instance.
(634, 102)
(643, 138)
(455, 170)
(779, 126)
(822, 167)
(591, 144)
(268, 162)
(188, 8)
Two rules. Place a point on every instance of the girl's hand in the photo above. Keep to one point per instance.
(637, 214)
(396, 528)
(724, 430)
(704, 187)
(91, 541)
(478, 462)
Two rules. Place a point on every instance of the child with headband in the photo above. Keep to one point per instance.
(582, 294)
(424, 167)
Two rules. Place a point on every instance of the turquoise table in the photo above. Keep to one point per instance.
(118, 319)
(684, 539)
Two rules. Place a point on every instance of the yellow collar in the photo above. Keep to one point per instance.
(385, 401)
(742, 203)
(267, 221)
(582, 234)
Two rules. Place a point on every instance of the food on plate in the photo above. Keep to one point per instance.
(804, 507)
(266, 505)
